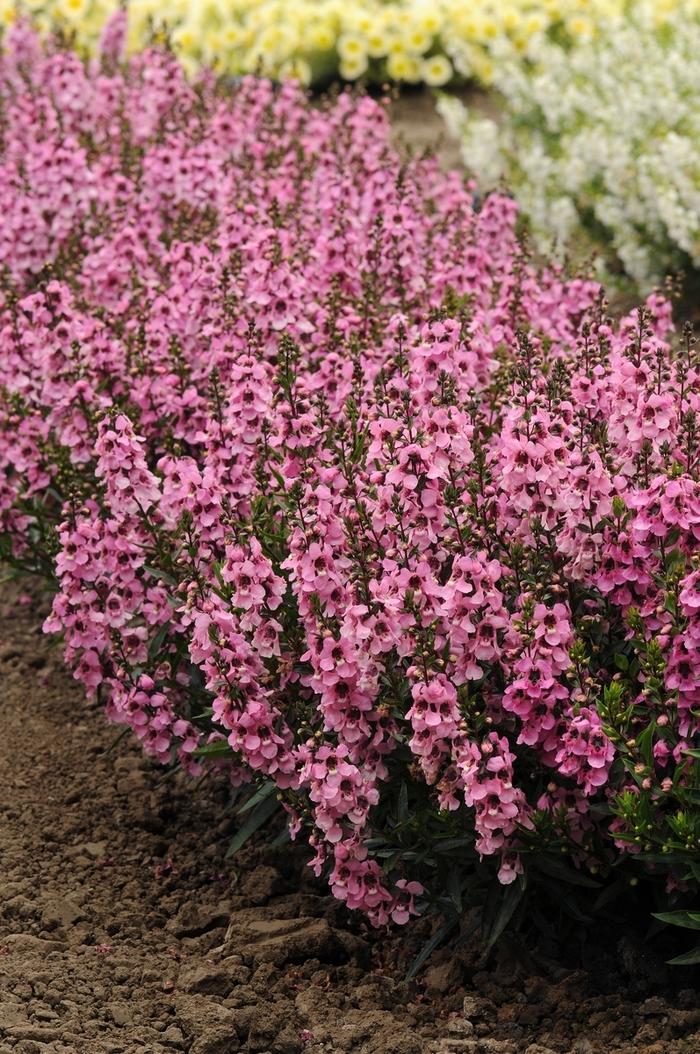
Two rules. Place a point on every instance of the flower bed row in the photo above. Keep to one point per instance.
(601, 143)
(406, 41)
(339, 493)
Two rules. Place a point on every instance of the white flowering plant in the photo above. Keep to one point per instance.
(601, 143)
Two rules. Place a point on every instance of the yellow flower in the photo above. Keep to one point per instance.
(321, 38)
(378, 44)
(8, 14)
(482, 68)
(72, 9)
(470, 27)
(403, 67)
(231, 35)
(436, 71)
(354, 67)
(273, 35)
(489, 28)
(578, 26)
(510, 19)
(416, 41)
(395, 45)
(189, 65)
(184, 39)
(274, 42)
(298, 69)
(364, 24)
(535, 23)
(351, 47)
(429, 22)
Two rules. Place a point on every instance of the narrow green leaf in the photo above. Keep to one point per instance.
(561, 896)
(694, 869)
(402, 810)
(157, 572)
(261, 793)
(558, 869)
(283, 838)
(610, 893)
(430, 946)
(157, 642)
(645, 743)
(115, 742)
(219, 748)
(690, 958)
(689, 920)
(505, 913)
(260, 815)
(454, 889)
(444, 845)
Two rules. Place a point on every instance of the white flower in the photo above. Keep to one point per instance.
(604, 134)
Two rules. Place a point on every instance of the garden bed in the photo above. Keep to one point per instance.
(124, 930)
(388, 527)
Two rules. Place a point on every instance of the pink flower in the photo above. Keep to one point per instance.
(335, 482)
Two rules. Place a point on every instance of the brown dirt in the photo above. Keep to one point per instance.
(123, 930)
(417, 123)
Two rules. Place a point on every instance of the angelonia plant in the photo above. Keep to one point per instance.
(340, 494)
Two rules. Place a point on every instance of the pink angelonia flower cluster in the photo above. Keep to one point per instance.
(340, 492)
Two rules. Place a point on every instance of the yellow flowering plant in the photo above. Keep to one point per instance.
(315, 41)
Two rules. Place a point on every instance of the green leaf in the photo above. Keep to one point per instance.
(505, 913)
(689, 920)
(402, 810)
(157, 572)
(209, 712)
(558, 869)
(651, 858)
(430, 946)
(694, 869)
(218, 749)
(561, 896)
(115, 742)
(690, 958)
(283, 838)
(445, 844)
(259, 816)
(157, 642)
(645, 743)
(261, 793)
(691, 752)
(610, 893)
(454, 888)
(622, 662)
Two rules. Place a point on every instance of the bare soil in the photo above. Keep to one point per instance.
(417, 123)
